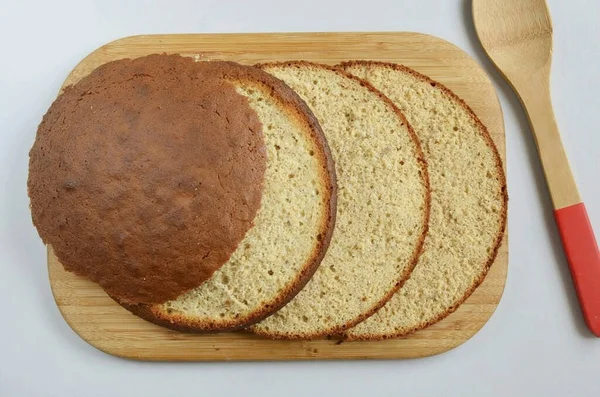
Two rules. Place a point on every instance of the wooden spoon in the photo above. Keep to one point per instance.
(517, 36)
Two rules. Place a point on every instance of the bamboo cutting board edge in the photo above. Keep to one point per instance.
(110, 328)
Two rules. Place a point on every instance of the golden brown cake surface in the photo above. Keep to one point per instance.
(146, 175)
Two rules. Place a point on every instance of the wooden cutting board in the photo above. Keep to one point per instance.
(101, 322)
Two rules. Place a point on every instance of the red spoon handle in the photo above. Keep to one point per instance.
(583, 256)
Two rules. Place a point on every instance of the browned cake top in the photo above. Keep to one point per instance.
(146, 175)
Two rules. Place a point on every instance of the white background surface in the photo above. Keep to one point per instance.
(536, 344)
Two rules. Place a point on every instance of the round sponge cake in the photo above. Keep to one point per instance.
(383, 204)
(146, 175)
(292, 228)
(468, 201)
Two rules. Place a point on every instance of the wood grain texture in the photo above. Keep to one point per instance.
(110, 328)
(517, 36)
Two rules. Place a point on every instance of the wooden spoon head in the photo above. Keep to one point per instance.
(516, 34)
